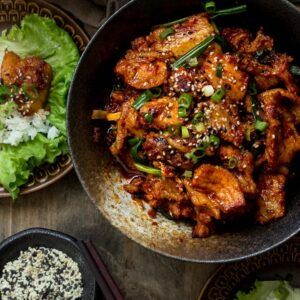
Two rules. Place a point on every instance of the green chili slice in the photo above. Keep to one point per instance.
(147, 169)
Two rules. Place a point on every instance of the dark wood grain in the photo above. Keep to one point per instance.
(140, 273)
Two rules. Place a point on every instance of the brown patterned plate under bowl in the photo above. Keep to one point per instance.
(277, 264)
(12, 12)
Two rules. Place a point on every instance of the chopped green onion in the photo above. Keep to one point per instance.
(171, 23)
(248, 134)
(195, 52)
(229, 11)
(182, 112)
(215, 140)
(146, 97)
(219, 70)
(185, 132)
(261, 125)
(210, 6)
(200, 127)
(133, 141)
(156, 92)
(193, 62)
(164, 34)
(30, 91)
(252, 88)
(232, 163)
(147, 169)
(174, 130)
(188, 174)
(215, 27)
(218, 95)
(198, 117)
(196, 154)
(185, 100)
(134, 151)
(148, 117)
(295, 70)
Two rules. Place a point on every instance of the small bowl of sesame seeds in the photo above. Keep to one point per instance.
(43, 264)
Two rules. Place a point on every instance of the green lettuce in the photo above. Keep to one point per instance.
(39, 36)
(270, 290)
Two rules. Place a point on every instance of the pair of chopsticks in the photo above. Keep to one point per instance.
(106, 283)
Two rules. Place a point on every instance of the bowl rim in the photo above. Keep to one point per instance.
(82, 181)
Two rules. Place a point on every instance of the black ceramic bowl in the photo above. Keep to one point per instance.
(39, 237)
(101, 177)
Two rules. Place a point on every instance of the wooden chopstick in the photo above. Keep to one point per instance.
(106, 283)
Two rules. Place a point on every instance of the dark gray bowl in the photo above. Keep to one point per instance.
(39, 237)
(101, 177)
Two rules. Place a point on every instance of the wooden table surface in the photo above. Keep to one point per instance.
(140, 273)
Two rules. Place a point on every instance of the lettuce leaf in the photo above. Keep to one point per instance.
(270, 290)
(39, 36)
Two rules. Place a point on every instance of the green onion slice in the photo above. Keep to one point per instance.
(295, 70)
(248, 134)
(148, 117)
(133, 141)
(134, 152)
(214, 140)
(196, 154)
(219, 70)
(261, 125)
(175, 22)
(182, 112)
(166, 32)
(232, 162)
(229, 11)
(252, 89)
(200, 127)
(195, 52)
(210, 6)
(147, 169)
(188, 174)
(198, 117)
(185, 132)
(193, 62)
(218, 95)
(146, 97)
(185, 100)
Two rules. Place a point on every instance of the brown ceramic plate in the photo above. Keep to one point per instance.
(12, 12)
(278, 264)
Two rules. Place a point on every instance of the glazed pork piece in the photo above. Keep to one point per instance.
(212, 135)
(32, 76)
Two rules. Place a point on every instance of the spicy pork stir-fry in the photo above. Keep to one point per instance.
(209, 121)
